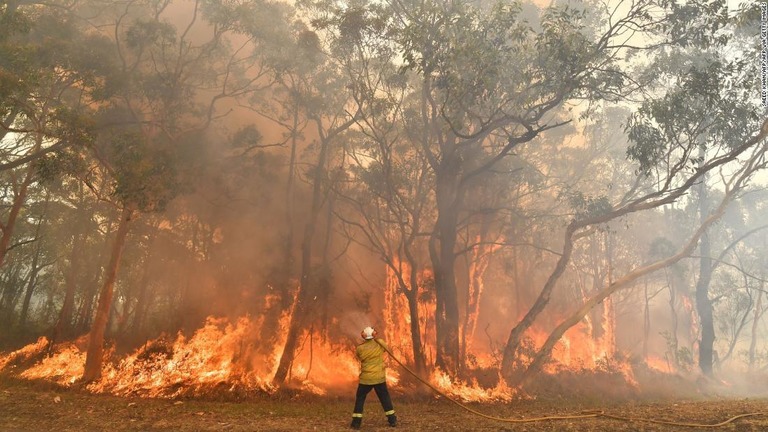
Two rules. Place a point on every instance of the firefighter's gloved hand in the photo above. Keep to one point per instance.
(392, 419)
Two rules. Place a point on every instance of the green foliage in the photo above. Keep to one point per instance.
(662, 247)
(704, 108)
(55, 166)
(587, 207)
(144, 172)
(144, 33)
(695, 23)
(706, 95)
(681, 357)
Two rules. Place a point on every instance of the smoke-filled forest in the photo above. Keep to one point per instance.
(210, 198)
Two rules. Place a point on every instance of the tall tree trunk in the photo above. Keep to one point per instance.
(10, 293)
(703, 302)
(517, 332)
(449, 198)
(282, 276)
(480, 262)
(64, 326)
(35, 268)
(646, 320)
(19, 197)
(412, 295)
(142, 302)
(94, 355)
(31, 283)
(755, 320)
(86, 309)
(673, 341)
(302, 306)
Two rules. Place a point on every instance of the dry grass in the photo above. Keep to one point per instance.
(31, 406)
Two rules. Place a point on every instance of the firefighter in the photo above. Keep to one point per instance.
(372, 376)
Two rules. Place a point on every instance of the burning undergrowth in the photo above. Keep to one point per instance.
(224, 359)
(220, 358)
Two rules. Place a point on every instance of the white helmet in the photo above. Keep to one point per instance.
(368, 333)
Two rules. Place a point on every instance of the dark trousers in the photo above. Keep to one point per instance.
(381, 392)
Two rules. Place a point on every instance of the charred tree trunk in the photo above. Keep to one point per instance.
(443, 262)
(301, 306)
(282, 276)
(447, 308)
(412, 294)
(94, 355)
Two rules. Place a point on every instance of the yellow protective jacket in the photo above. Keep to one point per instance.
(371, 356)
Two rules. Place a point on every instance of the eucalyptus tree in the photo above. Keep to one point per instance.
(46, 89)
(703, 121)
(323, 99)
(736, 271)
(170, 89)
(489, 81)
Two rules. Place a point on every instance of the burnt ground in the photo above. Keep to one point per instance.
(36, 406)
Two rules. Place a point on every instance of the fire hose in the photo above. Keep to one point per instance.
(580, 416)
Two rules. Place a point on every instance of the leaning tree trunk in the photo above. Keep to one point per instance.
(517, 332)
(85, 314)
(94, 356)
(301, 306)
(282, 277)
(7, 227)
(545, 352)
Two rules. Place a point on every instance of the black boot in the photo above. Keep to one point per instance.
(392, 420)
(356, 423)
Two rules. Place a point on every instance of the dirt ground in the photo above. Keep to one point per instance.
(30, 406)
